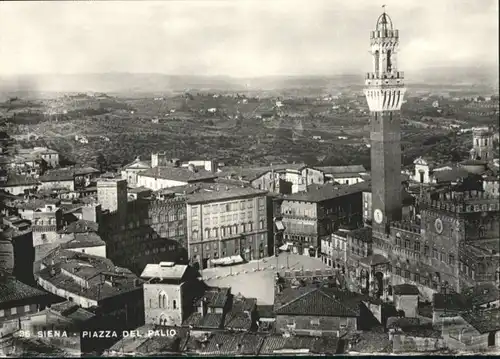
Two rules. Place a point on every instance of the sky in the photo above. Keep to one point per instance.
(240, 38)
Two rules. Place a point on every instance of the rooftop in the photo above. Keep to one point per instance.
(222, 194)
(327, 192)
(66, 174)
(405, 289)
(12, 291)
(215, 297)
(363, 234)
(146, 345)
(336, 170)
(279, 344)
(34, 204)
(93, 270)
(315, 302)
(81, 226)
(482, 294)
(84, 240)
(370, 342)
(19, 180)
(265, 311)
(485, 321)
(451, 175)
(450, 301)
(138, 164)
(180, 174)
(174, 271)
(72, 311)
(251, 173)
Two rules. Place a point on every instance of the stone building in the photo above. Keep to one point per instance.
(150, 231)
(482, 145)
(227, 222)
(169, 293)
(93, 281)
(448, 243)
(310, 216)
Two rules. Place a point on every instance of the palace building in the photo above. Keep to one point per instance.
(449, 241)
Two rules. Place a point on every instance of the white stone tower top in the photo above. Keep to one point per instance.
(385, 84)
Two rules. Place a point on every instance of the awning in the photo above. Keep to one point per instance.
(227, 260)
(286, 246)
(279, 225)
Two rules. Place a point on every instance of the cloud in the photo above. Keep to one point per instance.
(239, 38)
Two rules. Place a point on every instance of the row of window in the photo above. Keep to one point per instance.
(163, 302)
(438, 255)
(45, 222)
(224, 253)
(235, 217)
(464, 268)
(226, 231)
(13, 311)
(227, 207)
(170, 217)
(172, 232)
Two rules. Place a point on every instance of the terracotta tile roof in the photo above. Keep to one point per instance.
(212, 321)
(449, 301)
(84, 240)
(223, 194)
(327, 192)
(12, 290)
(265, 311)
(152, 344)
(482, 294)
(236, 320)
(194, 320)
(67, 174)
(89, 268)
(251, 173)
(80, 226)
(317, 303)
(342, 169)
(176, 271)
(216, 297)
(34, 204)
(369, 342)
(485, 321)
(19, 180)
(279, 344)
(180, 174)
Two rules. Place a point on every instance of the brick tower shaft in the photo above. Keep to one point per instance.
(384, 93)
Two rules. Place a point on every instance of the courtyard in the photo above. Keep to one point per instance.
(256, 278)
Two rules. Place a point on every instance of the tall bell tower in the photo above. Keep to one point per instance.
(384, 93)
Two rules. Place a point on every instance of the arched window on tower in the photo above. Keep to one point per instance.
(377, 61)
(389, 61)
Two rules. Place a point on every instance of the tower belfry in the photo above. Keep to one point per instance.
(384, 93)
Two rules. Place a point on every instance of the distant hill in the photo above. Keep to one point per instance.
(128, 83)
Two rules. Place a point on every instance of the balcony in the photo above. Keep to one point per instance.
(386, 33)
(399, 75)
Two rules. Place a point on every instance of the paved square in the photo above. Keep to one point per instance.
(256, 278)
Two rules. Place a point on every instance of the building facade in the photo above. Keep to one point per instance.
(226, 223)
(311, 216)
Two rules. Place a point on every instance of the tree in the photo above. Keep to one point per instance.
(101, 162)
